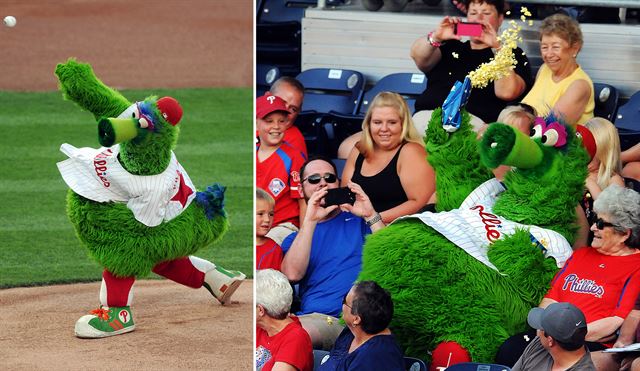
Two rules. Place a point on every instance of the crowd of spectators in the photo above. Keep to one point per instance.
(309, 246)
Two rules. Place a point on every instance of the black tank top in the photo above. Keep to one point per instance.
(384, 189)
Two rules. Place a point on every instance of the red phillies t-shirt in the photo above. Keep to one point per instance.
(292, 345)
(600, 285)
(268, 255)
(279, 175)
(294, 137)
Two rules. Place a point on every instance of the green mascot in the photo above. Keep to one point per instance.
(133, 205)
(463, 279)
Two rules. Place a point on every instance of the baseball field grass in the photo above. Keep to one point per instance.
(38, 245)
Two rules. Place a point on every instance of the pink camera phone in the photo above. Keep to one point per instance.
(468, 29)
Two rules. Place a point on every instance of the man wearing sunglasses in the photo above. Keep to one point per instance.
(325, 256)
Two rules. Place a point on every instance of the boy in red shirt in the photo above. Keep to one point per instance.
(268, 253)
(277, 167)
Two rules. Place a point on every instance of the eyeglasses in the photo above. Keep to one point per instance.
(601, 224)
(315, 178)
(344, 301)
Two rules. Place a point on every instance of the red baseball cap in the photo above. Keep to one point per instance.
(170, 110)
(267, 104)
(588, 141)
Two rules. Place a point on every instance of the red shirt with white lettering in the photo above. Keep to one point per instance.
(279, 176)
(268, 255)
(600, 285)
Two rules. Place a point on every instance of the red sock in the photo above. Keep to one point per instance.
(446, 354)
(115, 291)
(182, 271)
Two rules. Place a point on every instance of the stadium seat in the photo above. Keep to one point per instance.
(339, 162)
(275, 11)
(472, 366)
(266, 74)
(319, 357)
(414, 364)
(606, 100)
(628, 122)
(331, 90)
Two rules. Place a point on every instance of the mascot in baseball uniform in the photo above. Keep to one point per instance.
(463, 279)
(133, 205)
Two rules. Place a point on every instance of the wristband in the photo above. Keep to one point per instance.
(432, 42)
(376, 218)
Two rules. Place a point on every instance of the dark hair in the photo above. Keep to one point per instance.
(287, 80)
(321, 158)
(576, 344)
(374, 306)
(498, 4)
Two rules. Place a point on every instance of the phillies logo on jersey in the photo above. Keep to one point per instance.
(582, 285)
(100, 166)
(490, 221)
(276, 186)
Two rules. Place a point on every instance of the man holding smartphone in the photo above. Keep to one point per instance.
(445, 59)
(325, 256)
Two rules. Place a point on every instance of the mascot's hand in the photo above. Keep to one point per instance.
(315, 207)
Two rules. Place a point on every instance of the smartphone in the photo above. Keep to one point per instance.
(339, 196)
(468, 29)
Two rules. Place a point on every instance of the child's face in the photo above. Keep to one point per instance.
(271, 128)
(264, 217)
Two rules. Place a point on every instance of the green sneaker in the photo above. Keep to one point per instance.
(222, 283)
(103, 322)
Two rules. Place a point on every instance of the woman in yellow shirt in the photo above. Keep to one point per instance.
(561, 85)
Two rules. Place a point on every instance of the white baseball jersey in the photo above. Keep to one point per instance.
(97, 174)
(473, 226)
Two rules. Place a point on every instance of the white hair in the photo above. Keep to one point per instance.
(623, 206)
(273, 292)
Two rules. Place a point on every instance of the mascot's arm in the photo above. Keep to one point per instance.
(524, 265)
(455, 159)
(79, 84)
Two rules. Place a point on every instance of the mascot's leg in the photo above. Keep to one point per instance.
(114, 315)
(446, 354)
(195, 272)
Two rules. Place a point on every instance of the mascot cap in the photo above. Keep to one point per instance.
(170, 110)
(268, 104)
(588, 141)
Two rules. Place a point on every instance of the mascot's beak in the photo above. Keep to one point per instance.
(504, 145)
(112, 130)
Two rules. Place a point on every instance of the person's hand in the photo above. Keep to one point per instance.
(446, 29)
(315, 206)
(489, 36)
(362, 207)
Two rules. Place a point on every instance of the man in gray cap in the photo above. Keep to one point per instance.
(559, 345)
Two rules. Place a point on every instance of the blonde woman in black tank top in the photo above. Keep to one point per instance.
(390, 162)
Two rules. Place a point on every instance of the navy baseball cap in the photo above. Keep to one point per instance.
(561, 321)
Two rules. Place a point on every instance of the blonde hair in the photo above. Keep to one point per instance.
(562, 26)
(261, 194)
(511, 114)
(607, 149)
(393, 100)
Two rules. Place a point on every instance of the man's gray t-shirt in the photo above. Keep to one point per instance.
(537, 358)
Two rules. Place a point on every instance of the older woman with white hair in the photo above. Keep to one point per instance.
(602, 280)
(281, 342)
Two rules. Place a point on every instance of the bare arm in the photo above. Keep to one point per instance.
(628, 329)
(545, 302)
(582, 236)
(418, 181)
(349, 167)
(296, 260)
(362, 207)
(573, 103)
(424, 54)
(302, 205)
(631, 154)
(602, 328)
(594, 188)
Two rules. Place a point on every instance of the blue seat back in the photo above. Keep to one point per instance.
(266, 74)
(628, 122)
(473, 366)
(414, 364)
(606, 99)
(318, 357)
(409, 85)
(329, 89)
(274, 11)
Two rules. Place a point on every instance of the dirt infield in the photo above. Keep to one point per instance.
(130, 44)
(176, 328)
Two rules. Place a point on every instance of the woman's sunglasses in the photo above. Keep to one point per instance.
(315, 178)
(601, 224)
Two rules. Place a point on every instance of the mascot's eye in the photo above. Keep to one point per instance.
(131, 112)
(536, 132)
(550, 138)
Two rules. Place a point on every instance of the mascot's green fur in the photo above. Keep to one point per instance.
(114, 238)
(128, 242)
(440, 292)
